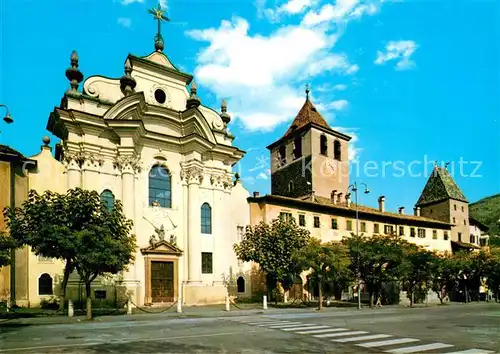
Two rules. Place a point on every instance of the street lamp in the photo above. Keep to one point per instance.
(354, 188)
(8, 118)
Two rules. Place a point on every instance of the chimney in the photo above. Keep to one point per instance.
(401, 210)
(381, 203)
(333, 195)
(416, 211)
(348, 200)
(256, 194)
(339, 198)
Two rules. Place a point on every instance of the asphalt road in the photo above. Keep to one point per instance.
(472, 328)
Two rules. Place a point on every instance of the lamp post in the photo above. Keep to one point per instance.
(354, 188)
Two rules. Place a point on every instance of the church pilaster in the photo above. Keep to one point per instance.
(90, 170)
(73, 160)
(193, 177)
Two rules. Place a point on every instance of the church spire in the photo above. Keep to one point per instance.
(159, 15)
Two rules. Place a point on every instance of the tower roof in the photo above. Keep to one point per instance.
(440, 186)
(307, 114)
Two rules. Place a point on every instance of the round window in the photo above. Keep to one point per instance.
(160, 96)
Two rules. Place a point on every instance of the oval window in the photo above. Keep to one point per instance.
(160, 96)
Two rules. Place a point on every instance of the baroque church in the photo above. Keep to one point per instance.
(146, 140)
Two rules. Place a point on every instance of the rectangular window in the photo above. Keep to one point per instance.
(454, 220)
(465, 222)
(421, 233)
(412, 232)
(401, 231)
(297, 151)
(445, 235)
(388, 229)
(462, 209)
(434, 234)
(376, 229)
(363, 226)
(286, 216)
(348, 225)
(316, 222)
(302, 220)
(459, 237)
(100, 294)
(206, 263)
(472, 239)
(335, 226)
(455, 206)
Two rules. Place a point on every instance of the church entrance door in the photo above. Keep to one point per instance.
(162, 281)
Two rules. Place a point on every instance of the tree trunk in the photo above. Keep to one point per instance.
(88, 292)
(64, 284)
(412, 298)
(320, 296)
(370, 293)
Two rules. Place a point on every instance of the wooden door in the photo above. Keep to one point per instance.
(162, 281)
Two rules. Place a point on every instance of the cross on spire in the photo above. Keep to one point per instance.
(308, 89)
(159, 15)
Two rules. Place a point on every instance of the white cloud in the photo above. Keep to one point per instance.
(343, 10)
(330, 62)
(327, 87)
(128, 2)
(340, 87)
(400, 51)
(295, 6)
(163, 4)
(125, 22)
(263, 175)
(338, 105)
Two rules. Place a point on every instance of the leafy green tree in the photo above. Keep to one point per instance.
(60, 226)
(444, 275)
(493, 272)
(7, 245)
(416, 270)
(328, 262)
(378, 260)
(274, 247)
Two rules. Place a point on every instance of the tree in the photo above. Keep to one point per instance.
(444, 276)
(493, 272)
(274, 247)
(328, 262)
(378, 260)
(7, 245)
(416, 270)
(60, 225)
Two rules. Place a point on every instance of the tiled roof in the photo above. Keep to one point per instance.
(326, 202)
(307, 114)
(440, 186)
(10, 153)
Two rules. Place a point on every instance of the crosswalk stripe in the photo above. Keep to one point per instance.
(362, 338)
(473, 351)
(263, 324)
(292, 325)
(420, 348)
(339, 334)
(301, 328)
(388, 342)
(323, 331)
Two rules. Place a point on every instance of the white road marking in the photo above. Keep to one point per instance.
(301, 328)
(323, 331)
(473, 351)
(388, 342)
(263, 324)
(339, 334)
(287, 325)
(420, 348)
(362, 338)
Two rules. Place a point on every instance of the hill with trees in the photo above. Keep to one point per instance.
(487, 211)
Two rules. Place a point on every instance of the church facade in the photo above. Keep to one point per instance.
(146, 140)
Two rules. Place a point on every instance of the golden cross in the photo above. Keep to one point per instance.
(159, 15)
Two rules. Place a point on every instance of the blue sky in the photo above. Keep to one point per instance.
(409, 80)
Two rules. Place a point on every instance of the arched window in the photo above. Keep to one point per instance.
(206, 219)
(45, 284)
(282, 156)
(297, 151)
(160, 186)
(323, 145)
(291, 187)
(337, 152)
(108, 199)
(240, 282)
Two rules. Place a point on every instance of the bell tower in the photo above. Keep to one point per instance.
(309, 157)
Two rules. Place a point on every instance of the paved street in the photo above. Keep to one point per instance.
(473, 328)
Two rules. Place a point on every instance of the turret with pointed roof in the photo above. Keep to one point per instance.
(442, 199)
(309, 157)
